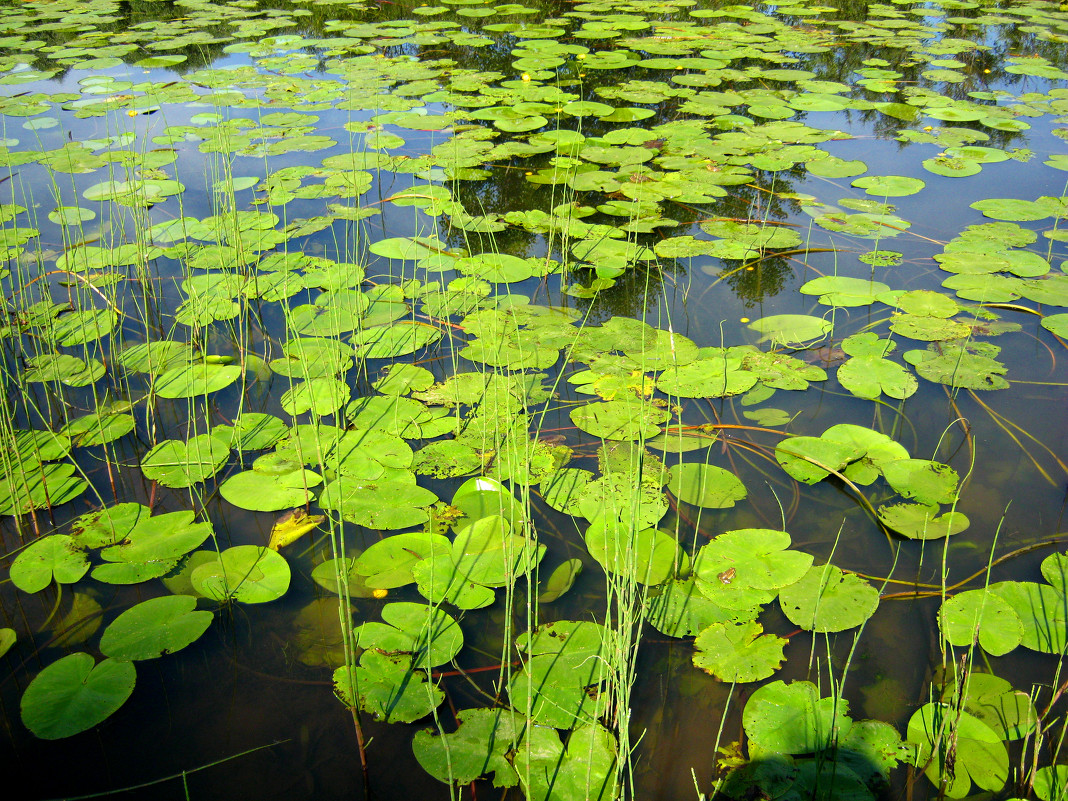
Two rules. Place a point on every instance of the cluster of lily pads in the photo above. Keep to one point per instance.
(504, 152)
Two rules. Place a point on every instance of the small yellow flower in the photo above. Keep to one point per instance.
(131, 113)
(525, 76)
(986, 72)
(379, 593)
(744, 320)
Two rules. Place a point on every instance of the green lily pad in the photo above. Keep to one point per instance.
(812, 459)
(155, 627)
(705, 485)
(716, 376)
(791, 330)
(957, 366)
(564, 660)
(738, 652)
(889, 185)
(793, 719)
(919, 521)
(333, 574)
(620, 419)
(742, 568)
(247, 573)
(98, 428)
(389, 688)
(260, 492)
(983, 616)
(1042, 610)
(389, 562)
(922, 480)
(192, 380)
(429, 636)
(682, 610)
(1010, 209)
(479, 746)
(840, 290)
(978, 755)
(1050, 782)
(647, 556)
(56, 557)
(1055, 570)
(74, 694)
(174, 463)
(396, 502)
(560, 581)
(828, 600)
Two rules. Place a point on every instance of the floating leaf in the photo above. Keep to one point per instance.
(55, 557)
(332, 574)
(980, 615)
(389, 688)
(98, 428)
(827, 600)
(738, 652)
(396, 502)
(741, 568)
(560, 580)
(889, 185)
(154, 627)
(681, 610)
(429, 636)
(791, 330)
(191, 380)
(957, 366)
(921, 522)
(72, 695)
(647, 556)
(478, 746)
(793, 719)
(174, 463)
(812, 459)
(978, 752)
(388, 563)
(705, 485)
(1042, 610)
(922, 480)
(247, 573)
(839, 290)
(620, 419)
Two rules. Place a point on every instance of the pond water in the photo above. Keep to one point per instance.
(551, 400)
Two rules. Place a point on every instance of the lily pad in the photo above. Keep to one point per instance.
(74, 694)
(155, 627)
(479, 746)
(705, 485)
(431, 637)
(56, 557)
(174, 463)
(247, 573)
(828, 600)
(983, 616)
(738, 652)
